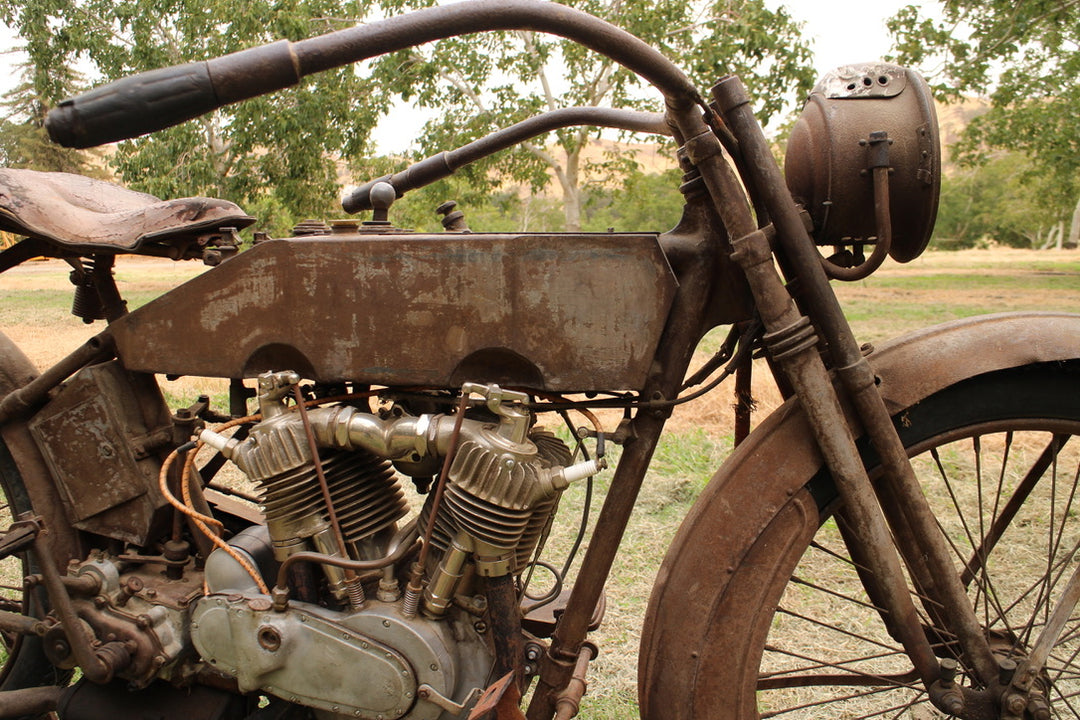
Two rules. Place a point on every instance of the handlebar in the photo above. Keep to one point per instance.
(439, 166)
(161, 98)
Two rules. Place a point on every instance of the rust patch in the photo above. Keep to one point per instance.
(573, 311)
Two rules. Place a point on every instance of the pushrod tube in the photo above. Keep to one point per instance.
(901, 488)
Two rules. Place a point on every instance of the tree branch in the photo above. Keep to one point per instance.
(530, 46)
(544, 155)
(459, 84)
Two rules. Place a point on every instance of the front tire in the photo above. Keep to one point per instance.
(791, 632)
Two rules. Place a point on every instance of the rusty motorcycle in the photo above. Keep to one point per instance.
(897, 539)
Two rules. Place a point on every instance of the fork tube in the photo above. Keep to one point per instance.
(793, 344)
(793, 347)
(899, 493)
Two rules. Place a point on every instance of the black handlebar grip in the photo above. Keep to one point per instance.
(162, 98)
(133, 106)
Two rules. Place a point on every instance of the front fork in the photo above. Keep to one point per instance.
(793, 344)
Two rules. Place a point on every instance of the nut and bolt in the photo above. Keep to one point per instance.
(948, 672)
(1016, 704)
(1006, 670)
(260, 604)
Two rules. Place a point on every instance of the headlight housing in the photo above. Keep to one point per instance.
(826, 162)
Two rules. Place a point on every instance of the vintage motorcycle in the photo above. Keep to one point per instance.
(897, 540)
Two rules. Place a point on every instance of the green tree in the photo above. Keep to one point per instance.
(276, 151)
(988, 202)
(481, 83)
(1026, 57)
(23, 140)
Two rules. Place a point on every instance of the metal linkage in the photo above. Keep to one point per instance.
(99, 664)
(27, 398)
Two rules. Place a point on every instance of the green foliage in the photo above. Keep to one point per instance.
(277, 150)
(484, 82)
(1026, 55)
(23, 140)
(642, 202)
(989, 202)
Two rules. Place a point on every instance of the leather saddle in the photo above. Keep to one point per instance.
(74, 215)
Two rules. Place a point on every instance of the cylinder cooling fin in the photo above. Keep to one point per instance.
(512, 526)
(363, 488)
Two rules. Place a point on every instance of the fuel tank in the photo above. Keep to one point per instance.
(557, 312)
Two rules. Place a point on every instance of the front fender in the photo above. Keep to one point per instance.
(918, 365)
(778, 459)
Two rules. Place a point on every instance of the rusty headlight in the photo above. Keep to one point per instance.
(827, 157)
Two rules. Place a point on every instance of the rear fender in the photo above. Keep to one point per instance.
(15, 371)
(778, 459)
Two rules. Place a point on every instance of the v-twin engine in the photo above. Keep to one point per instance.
(361, 620)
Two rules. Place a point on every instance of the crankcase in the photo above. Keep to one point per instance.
(557, 312)
(341, 665)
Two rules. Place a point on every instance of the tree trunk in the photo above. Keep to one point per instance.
(572, 191)
(1074, 228)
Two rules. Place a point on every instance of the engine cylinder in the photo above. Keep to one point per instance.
(364, 489)
(499, 520)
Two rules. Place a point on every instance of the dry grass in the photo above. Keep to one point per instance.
(936, 287)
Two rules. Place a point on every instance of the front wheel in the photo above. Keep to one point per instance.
(793, 634)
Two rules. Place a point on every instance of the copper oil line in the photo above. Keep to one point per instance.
(415, 585)
(209, 526)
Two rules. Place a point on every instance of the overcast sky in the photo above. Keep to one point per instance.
(842, 31)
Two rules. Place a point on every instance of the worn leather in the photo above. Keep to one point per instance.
(82, 214)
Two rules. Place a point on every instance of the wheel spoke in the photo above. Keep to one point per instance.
(805, 675)
(841, 596)
(834, 628)
(984, 586)
(1019, 496)
(991, 490)
(845, 698)
(1066, 700)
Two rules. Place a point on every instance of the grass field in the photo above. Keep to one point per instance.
(34, 312)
